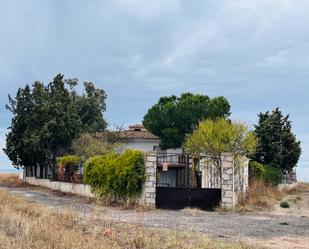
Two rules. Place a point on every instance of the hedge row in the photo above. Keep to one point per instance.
(116, 177)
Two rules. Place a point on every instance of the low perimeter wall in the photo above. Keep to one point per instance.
(147, 197)
(78, 189)
(287, 186)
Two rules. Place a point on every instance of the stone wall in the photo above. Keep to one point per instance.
(227, 181)
(235, 179)
(148, 196)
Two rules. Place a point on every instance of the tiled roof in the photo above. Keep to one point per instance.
(133, 134)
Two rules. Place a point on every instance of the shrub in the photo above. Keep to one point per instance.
(261, 196)
(116, 177)
(266, 173)
(67, 167)
(90, 145)
(284, 204)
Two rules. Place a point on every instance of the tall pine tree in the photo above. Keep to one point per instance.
(277, 146)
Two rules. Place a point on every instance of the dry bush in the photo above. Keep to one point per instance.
(261, 196)
(25, 225)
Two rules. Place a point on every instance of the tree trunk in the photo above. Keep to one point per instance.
(41, 171)
(53, 168)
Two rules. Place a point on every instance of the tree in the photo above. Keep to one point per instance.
(20, 106)
(278, 146)
(88, 145)
(212, 138)
(174, 117)
(47, 118)
(90, 108)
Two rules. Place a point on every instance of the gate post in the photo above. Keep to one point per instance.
(227, 181)
(148, 196)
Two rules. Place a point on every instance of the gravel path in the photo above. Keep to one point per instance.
(255, 226)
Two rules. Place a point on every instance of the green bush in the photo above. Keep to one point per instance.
(116, 177)
(68, 160)
(67, 167)
(284, 204)
(266, 173)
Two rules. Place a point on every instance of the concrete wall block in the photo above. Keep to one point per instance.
(227, 193)
(227, 187)
(150, 164)
(227, 182)
(152, 178)
(148, 184)
(151, 195)
(227, 200)
(150, 169)
(226, 177)
(228, 171)
(151, 159)
(150, 190)
(151, 174)
(226, 164)
(150, 201)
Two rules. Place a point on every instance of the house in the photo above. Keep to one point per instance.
(139, 138)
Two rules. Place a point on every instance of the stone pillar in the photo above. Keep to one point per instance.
(148, 196)
(246, 175)
(227, 181)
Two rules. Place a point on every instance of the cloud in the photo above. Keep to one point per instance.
(253, 52)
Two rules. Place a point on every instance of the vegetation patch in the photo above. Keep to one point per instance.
(284, 223)
(261, 196)
(284, 204)
(265, 173)
(116, 177)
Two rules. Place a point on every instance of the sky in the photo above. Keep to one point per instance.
(255, 53)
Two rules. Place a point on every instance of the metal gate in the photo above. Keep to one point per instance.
(174, 185)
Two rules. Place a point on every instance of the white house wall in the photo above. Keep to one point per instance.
(142, 145)
(145, 146)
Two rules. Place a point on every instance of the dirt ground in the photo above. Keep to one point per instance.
(280, 228)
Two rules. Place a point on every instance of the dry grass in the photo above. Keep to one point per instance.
(300, 188)
(25, 225)
(260, 197)
(10, 179)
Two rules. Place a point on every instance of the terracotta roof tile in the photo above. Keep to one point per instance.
(134, 132)
(144, 134)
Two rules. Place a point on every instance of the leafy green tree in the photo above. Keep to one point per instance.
(47, 118)
(90, 108)
(212, 138)
(174, 117)
(278, 146)
(215, 137)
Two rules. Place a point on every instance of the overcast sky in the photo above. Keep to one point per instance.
(255, 53)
